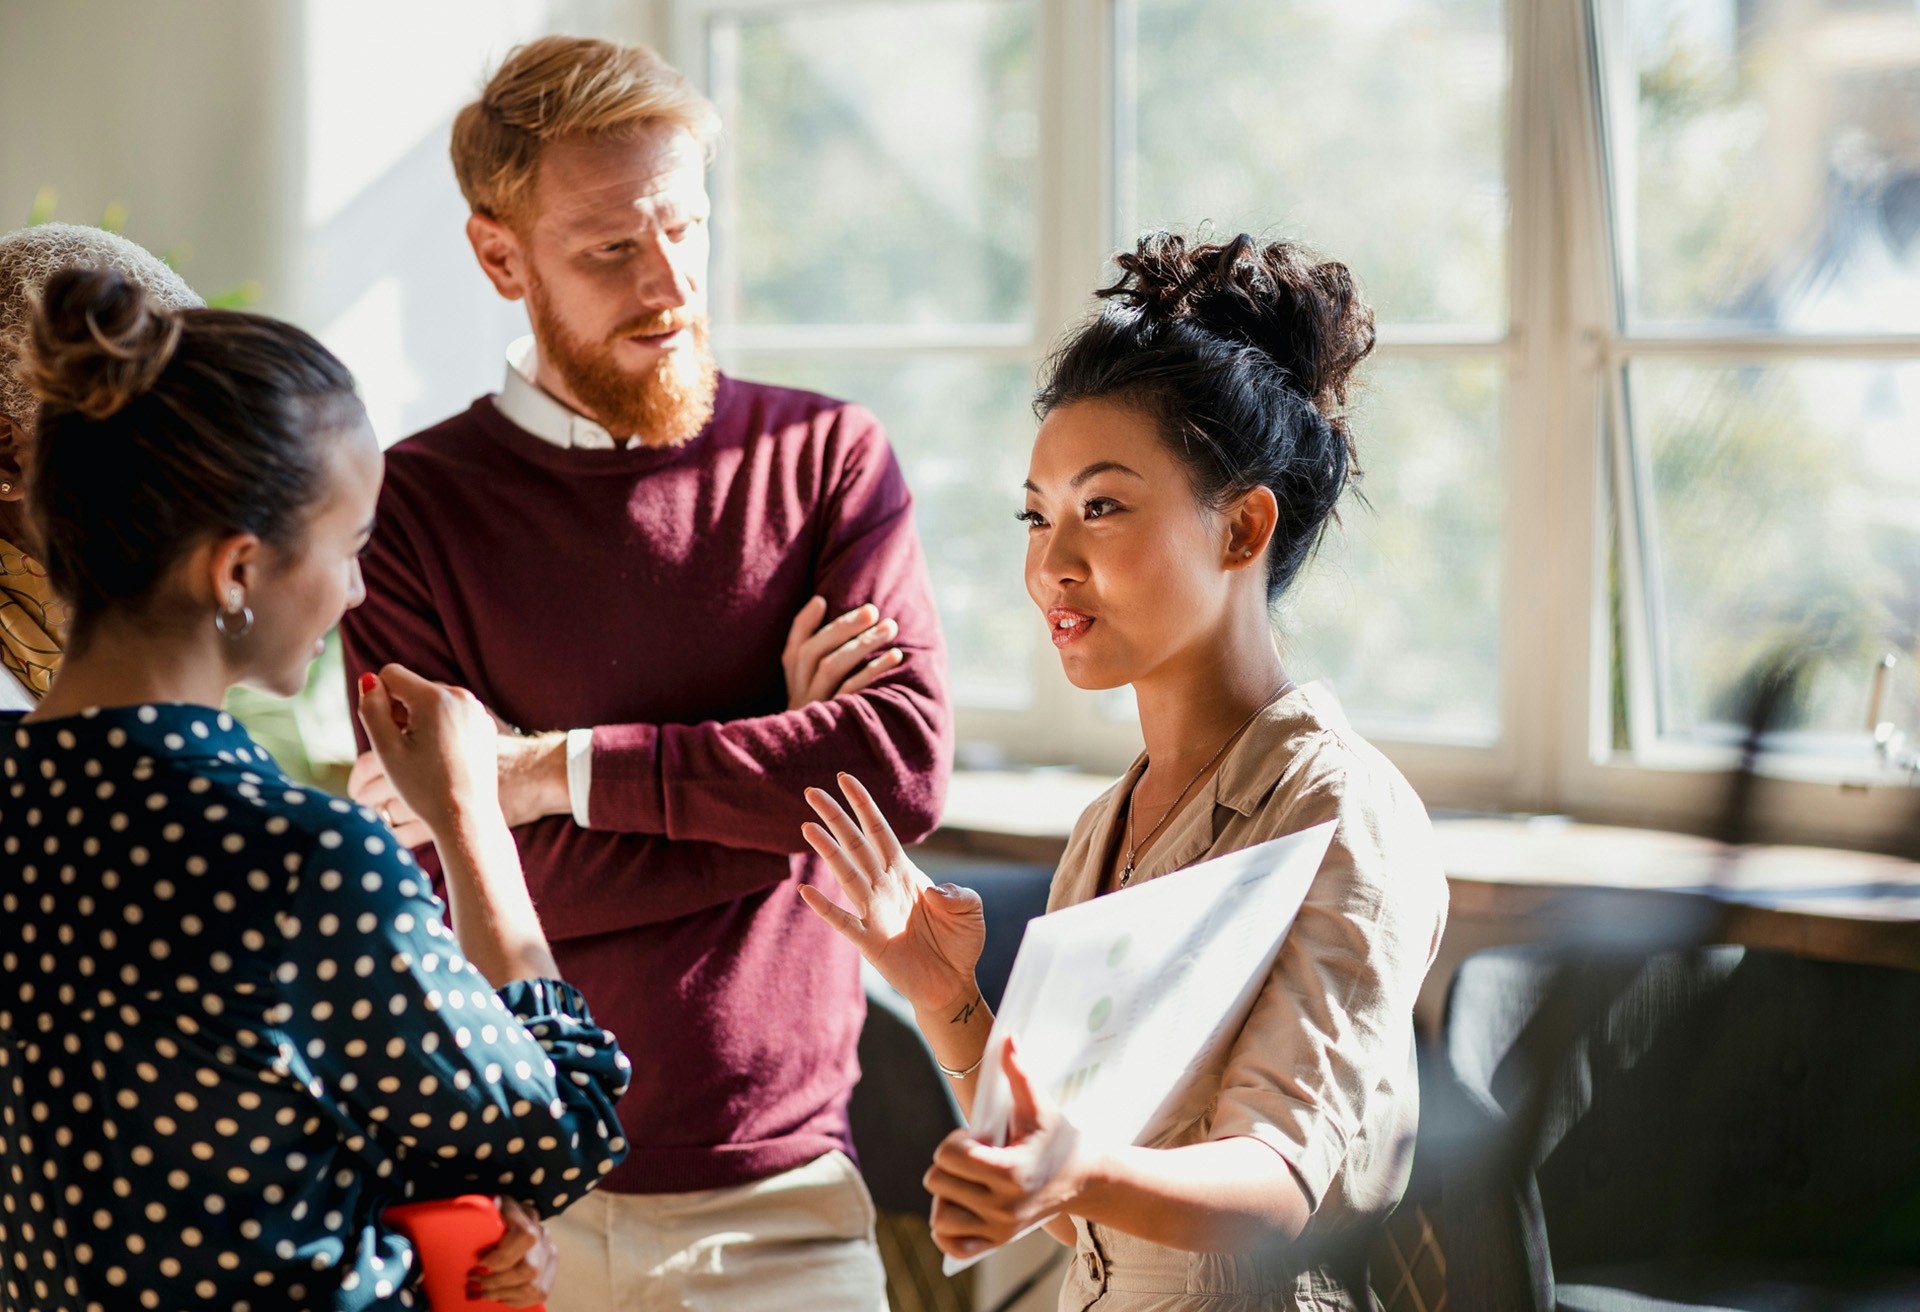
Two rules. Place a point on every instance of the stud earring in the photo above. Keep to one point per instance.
(5, 488)
(1248, 553)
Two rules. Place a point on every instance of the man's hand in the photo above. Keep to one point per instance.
(533, 776)
(369, 786)
(836, 659)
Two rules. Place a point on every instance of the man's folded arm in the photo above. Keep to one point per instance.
(741, 782)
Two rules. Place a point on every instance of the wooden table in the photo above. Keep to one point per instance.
(1528, 878)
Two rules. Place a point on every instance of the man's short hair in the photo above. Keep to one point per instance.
(30, 256)
(564, 87)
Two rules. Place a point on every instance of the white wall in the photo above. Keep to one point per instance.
(171, 108)
(299, 144)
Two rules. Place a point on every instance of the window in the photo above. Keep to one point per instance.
(1647, 274)
(875, 242)
(1335, 123)
(1765, 186)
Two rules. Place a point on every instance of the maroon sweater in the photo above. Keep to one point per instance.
(646, 594)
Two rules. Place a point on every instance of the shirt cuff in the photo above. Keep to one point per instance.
(579, 772)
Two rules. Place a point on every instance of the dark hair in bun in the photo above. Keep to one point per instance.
(159, 429)
(1243, 353)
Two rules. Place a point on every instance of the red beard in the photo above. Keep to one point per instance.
(663, 405)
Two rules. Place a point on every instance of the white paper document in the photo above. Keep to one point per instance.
(1118, 1002)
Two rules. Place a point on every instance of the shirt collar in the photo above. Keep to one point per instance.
(527, 405)
(1248, 774)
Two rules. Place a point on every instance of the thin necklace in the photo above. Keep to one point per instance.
(1126, 875)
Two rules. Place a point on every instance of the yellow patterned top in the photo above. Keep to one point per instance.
(33, 621)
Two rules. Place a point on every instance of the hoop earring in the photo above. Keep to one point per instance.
(233, 632)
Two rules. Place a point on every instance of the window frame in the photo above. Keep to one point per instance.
(1566, 446)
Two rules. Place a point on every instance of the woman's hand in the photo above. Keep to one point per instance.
(923, 938)
(435, 745)
(517, 1271)
(983, 1196)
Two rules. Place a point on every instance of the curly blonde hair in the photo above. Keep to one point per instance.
(564, 87)
(30, 257)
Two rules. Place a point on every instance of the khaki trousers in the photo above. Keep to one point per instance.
(799, 1240)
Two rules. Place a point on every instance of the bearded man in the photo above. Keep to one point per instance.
(633, 558)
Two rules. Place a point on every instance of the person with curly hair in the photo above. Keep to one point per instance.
(33, 620)
(1192, 452)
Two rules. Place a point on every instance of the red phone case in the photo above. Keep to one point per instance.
(448, 1235)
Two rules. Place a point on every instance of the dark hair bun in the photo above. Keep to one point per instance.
(97, 342)
(1243, 354)
(1306, 315)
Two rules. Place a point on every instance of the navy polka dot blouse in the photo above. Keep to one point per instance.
(234, 1027)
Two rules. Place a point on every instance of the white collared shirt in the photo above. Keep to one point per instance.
(527, 405)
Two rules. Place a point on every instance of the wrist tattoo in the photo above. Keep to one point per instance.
(965, 1014)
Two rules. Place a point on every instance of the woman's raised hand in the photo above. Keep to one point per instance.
(924, 938)
(435, 747)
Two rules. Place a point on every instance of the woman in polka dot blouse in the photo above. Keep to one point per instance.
(234, 1026)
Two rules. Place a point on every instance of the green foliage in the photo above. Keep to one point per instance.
(114, 219)
(238, 298)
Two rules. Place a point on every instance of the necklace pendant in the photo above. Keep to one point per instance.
(1126, 876)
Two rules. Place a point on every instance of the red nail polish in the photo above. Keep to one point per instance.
(368, 682)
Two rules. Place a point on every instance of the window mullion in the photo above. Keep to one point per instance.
(1531, 518)
(1075, 59)
(1640, 609)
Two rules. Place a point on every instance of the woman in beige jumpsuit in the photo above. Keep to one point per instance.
(1191, 454)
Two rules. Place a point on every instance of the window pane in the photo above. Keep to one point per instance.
(1376, 132)
(879, 163)
(1401, 610)
(1767, 162)
(962, 429)
(1786, 506)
